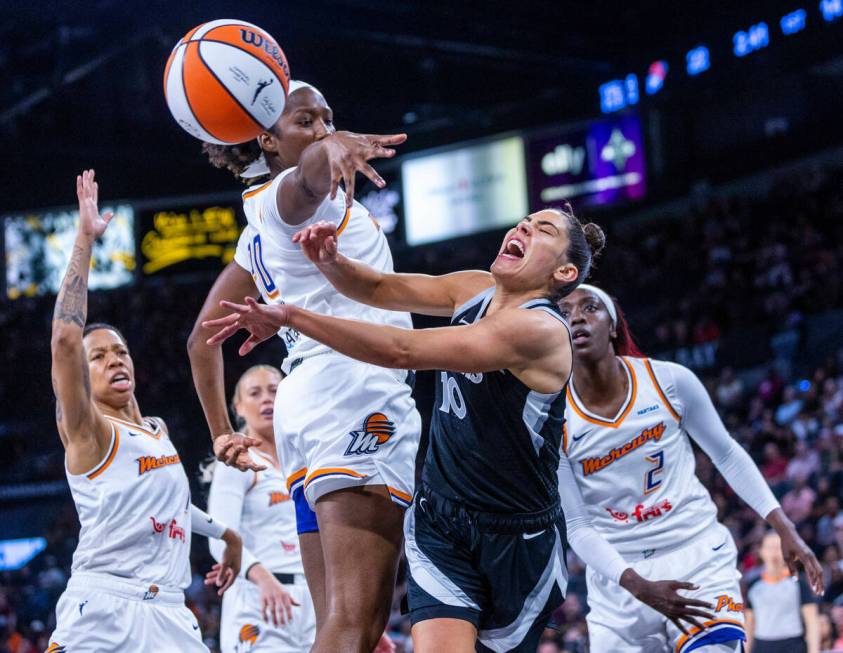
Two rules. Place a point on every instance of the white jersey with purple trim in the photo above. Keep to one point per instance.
(134, 509)
(636, 471)
(283, 274)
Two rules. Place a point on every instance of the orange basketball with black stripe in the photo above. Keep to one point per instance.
(226, 81)
(378, 424)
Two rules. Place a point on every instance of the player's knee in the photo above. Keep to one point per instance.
(363, 629)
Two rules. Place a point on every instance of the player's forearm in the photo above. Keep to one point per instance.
(780, 522)
(71, 311)
(377, 344)
(355, 280)
(206, 366)
(314, 171)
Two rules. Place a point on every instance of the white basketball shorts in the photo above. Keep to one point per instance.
(619, 622)
(243, 629)
(340, 423)
(98, 613)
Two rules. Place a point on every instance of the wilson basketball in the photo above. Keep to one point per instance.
(226, 81)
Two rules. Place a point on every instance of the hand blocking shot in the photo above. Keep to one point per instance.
(487, 532)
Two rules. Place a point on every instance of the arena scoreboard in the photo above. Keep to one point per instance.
(188, 238)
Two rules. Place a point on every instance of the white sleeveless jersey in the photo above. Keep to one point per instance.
(637, 470)
(267, 513)
(134, 509)
(283, 274)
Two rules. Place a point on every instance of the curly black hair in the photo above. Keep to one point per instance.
(235, 158)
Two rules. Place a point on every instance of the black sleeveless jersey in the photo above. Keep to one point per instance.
(494, 442)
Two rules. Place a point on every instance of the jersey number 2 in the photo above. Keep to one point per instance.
(652, 483)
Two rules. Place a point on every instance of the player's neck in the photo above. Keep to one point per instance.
(602, 381)
(128, 413)
(776, 572)
(505, 298)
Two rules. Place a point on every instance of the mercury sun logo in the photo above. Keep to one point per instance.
(376, 430)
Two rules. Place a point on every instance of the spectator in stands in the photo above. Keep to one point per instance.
(789, 408)
(804, 463)
(730, 389)
(775, 465)
(799, 502)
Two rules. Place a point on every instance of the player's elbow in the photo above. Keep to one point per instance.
(66, 340)
(197, 341)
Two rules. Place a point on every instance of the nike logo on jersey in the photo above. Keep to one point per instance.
(717, 548)
(82, 606)
(195, 626)
(530, 536)
(463, 321)
(579, 437)
(133, 434)
(648, 409)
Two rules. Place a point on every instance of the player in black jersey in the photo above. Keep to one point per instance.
(486, 534)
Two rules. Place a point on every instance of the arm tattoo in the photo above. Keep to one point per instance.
(72, 302)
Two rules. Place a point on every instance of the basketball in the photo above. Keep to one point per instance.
(226, 81)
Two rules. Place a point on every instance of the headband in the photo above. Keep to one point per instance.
(604, 297)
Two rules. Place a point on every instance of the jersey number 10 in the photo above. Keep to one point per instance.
(259, 270)
(452, 399)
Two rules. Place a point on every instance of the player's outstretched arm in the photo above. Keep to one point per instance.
(324, 164)
(83, 430)
(416, 293)
(531, 344)
(598, 554)
(206, 365)
(703, 424)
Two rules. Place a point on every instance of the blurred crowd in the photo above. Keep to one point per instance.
(730, 265)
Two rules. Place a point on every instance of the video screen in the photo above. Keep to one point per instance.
(39, 245)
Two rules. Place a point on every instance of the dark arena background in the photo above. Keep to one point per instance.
(705, 138)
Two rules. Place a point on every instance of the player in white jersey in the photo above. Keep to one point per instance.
(346, 432)
(629, 425)
(131, 564)
(269, 607)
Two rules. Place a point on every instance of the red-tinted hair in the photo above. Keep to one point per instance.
(624, 343)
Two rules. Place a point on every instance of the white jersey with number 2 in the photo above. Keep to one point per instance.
(636, 469)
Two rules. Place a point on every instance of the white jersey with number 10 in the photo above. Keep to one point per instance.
(283, 274)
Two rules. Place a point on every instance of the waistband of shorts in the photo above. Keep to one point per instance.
(493, 522)
(714, 531)
(290, 579)
(128, 588)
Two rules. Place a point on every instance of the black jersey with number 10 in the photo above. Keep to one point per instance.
(494, 442)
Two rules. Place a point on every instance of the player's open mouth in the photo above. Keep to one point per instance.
(579, 336)
(121, 381)
(266, 412)
(513, 249)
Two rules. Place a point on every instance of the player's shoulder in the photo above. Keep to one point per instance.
(157, 424)
(469, 287)
(668, 373)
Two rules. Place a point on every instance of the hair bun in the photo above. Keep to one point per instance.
(595, 238)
